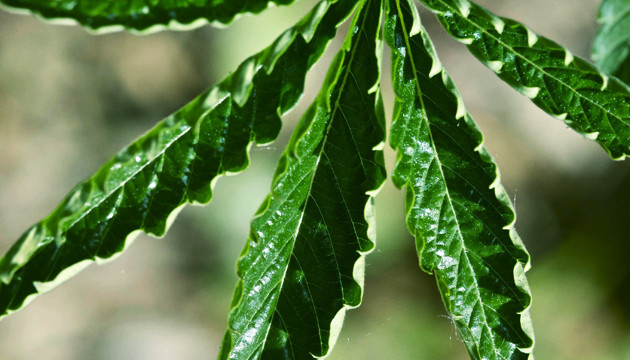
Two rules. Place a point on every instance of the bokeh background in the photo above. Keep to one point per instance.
(69, 100)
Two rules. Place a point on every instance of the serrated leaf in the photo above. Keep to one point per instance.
(567, 87)
(141, 16)
(175, 163)
(611, 47)
(303, 265)
(456, 208)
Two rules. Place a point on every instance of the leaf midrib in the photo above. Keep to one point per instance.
(129, 178)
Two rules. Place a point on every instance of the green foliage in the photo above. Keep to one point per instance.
(172, 164)
(460, 215)
(569, 88)
(141, 15)
(303, 264)
(611, 47)
(301, 267)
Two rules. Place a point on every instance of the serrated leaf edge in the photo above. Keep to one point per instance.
(172, 24)
(462, 114)
(463, 10)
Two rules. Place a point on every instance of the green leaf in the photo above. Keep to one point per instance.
(112, 15)
(175, 163)
(567, 87)
(611, 47)
(623, 72)
(303, 264)
(455, 206)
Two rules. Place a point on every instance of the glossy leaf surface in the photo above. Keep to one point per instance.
(175, 163)
(611, 47)
(456, 208)
(303, 265)
(567, 87)
(139, 15)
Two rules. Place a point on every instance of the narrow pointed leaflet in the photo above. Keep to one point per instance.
(141, 16)
(456, 208)
(567, 87)
(611, 47)
(303, 264)
(175, 163)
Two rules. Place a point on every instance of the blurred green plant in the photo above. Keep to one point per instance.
(303, 264)
(611, 47)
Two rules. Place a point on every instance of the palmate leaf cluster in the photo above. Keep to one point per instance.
(303, 264)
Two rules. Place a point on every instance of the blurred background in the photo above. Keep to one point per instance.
(69, 100)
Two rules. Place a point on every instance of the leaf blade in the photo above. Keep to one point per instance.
(611, 46)
(144, 185)
(566, 87)
(141, 16)
(313, 230)
(457, 210)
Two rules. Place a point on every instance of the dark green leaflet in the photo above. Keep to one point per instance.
(140, 15)
(456, 208)
(567, 87)
(303, 265)
(175, 163)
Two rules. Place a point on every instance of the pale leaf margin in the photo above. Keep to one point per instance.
(102, 17)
